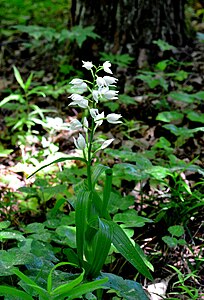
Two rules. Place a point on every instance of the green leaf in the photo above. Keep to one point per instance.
(169, 116)
(195, 117)
(131, 219)
(18, 77)
(31, 283)
(164, 46)
(128, 172)
(170, 241)
(176, 230)
(183, 97)
(97, 171)
(7, 235)
(80, 34)
(100, 246)
(85, 288)
(127, 289)
(10, 98)
(158, 172)
(64, 287)
(82, 210)
(4, 224)
(126, 248)
(107, 192)
(68, 233)
(11, 291)
(28, 82)
(57, 161)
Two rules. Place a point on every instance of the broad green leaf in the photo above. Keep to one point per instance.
(131, 219)
(18, 77)
(6, 290)
(169, 116)
(4, 224)
(80, 34)
(126, 248)
(158, 172)
(183, 131)
(183, 97)
(127, 289)
(196, 117)
(170, 241)
(68, 233)
(7, 235)
(142, 162)
(176, 230)
(57, 161)
(13, 257)
(118, 202)
(127, 100)
(128, 172)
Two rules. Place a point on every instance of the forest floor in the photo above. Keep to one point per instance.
(182, 198)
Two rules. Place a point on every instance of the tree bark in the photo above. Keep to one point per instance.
(127, 25)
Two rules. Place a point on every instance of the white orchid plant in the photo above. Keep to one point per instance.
(101, 87)
(95, 231)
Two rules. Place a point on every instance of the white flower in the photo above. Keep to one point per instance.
(100, 82)
(95, 95)
(106, 67)
(76, 81)
(110, 94)
(87, 64)
(85, 124)
(113, 118)
(76, 97)
(75, 125)
(110, 80)
(80, 143)
(93, 112)
(79, 100)
(106, 143)
(99, 119)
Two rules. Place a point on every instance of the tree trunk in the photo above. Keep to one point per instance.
(127, 25)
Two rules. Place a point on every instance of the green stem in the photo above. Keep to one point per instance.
(89, 160)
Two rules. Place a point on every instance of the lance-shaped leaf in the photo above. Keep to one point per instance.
(83, 289)
(64, 288)
(82, 210)
(6, 290)
(58, 161)
(126, 248)
(97, 171)
(107, 192)
(100, 247)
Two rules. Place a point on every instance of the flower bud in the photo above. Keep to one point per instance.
(75, 125)
(113, 118)
(80, 143)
